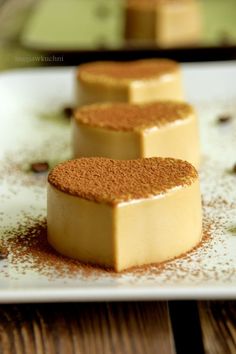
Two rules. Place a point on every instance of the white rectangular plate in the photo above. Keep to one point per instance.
(31, 129)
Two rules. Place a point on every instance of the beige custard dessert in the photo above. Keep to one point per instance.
(134, 82)
(130, 131)
(168, 23)
(124, 213)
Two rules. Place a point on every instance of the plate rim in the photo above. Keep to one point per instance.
(117, 292)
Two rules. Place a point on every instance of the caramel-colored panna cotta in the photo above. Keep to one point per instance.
(130, 131)
(124, 213)
(168, 23)
(136, 81)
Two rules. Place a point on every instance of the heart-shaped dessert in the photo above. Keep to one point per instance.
(165, 23)
(124, 213)
(134, 82)
(130, 131)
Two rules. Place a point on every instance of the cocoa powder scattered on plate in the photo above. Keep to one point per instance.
(28, 248)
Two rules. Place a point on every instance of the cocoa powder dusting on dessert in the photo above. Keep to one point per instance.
(112, 181)
(134, 70)
(133, 117)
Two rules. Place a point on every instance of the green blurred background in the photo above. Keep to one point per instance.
(44, 26)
